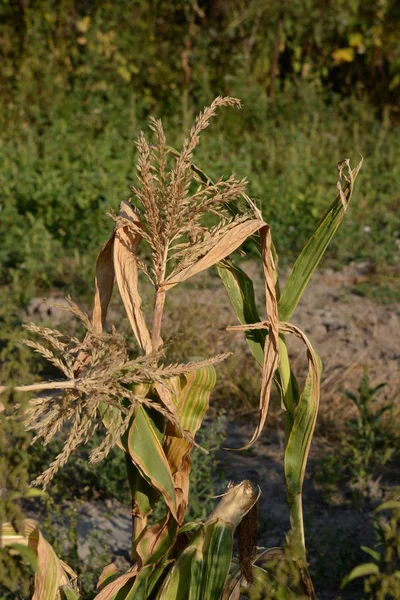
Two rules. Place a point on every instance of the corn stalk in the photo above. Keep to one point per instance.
(151, 409)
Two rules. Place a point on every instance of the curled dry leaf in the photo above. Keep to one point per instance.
(271, 346)
(117, 259)
(52, 573)
(225, 246)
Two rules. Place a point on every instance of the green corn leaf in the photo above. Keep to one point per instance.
(177, 584)
(109, 573)
(144, 494)
(241, 294)
(117, 588)
(137, 591)
(158, 576)
(361, 571)
(312, 253)
(218, 560)
(156, 541)
(142, 441)
(68, 593)
(203, 567)
(299, 440)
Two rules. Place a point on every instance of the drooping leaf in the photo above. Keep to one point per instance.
(298, 444)
(155, 542)
(108, 574)
(104, 284)
(117, 259)
(193, 399)
(114, 590)
(126, 245)
(271, 348)
(225, 246)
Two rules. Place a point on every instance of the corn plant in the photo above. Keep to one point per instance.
(153, 409)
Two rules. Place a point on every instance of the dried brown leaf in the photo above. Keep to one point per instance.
(225, 246)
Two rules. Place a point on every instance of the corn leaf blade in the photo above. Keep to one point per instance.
(313, 252)
(240, 290)
(298, 444)
(144, 447)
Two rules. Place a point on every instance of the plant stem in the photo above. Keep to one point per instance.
(157, 318)
(296, 520)
(50, 385)
(159, 301)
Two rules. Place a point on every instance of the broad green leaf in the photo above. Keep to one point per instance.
(137, 591)
(158, 575)
(218, 560)
(117, 589)
(144, 447)
(177, 584)
(298, 444)
(361, 571)
(108, 574)
(241, 294)
(157, 540)
(312, 253)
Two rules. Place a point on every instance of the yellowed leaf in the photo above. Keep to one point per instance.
(109, 591)
(126, 244)
(228, 244)
(104, 284)
(271, 347)
(52, 573)
(342, 55)
(117, 260)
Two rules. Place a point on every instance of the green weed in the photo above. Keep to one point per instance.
(367, 443)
